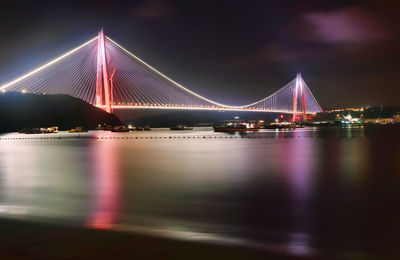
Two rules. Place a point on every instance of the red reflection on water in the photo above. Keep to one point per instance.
(106, 188)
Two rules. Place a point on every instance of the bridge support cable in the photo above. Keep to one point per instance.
(107, 75)
(72, 73)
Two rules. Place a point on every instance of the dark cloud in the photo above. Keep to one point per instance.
(278, 54)
(153, 10)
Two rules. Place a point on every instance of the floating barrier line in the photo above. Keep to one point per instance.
(279, 136)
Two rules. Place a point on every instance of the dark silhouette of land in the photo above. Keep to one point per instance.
(205, 118)
(369, 113)
(197, 118)
(19, 111)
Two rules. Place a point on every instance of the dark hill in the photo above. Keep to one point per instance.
(369, 113)
(18, 111)
(198, 118)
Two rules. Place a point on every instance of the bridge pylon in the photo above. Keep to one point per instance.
(299, 92)
(103, 91)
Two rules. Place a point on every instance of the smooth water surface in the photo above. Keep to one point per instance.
(297, 191)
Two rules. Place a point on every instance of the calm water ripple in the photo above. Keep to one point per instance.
(296, 191)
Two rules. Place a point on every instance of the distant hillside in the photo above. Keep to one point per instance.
(381, 112)
(198, 118)
(369, 113)
(18, 111)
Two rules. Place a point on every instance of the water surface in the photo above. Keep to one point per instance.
(299, 191)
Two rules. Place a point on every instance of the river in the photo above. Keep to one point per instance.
(296, 191)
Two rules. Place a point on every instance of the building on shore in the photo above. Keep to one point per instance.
(379, 121)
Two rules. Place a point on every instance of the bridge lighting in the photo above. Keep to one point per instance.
(46, 65)
(183, 98)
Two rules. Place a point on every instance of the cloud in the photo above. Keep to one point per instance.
(347, 25)
(278, 53)
(154, 10)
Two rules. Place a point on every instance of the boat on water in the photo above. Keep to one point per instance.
(283, 125)
(180, 127)
(227, 128)
(30, 131)
(104, 127)
(78, 129)
(251, 126)
(234, 129)
(43, 130)
(121, 129)
(238, 126)
(139, 128)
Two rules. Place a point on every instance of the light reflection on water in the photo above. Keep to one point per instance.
(105, 171)
(295, 194)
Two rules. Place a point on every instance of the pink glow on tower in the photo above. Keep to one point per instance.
(102, 86)
(299, 91)
(295, 93)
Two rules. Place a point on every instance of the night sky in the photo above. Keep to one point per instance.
(234, 52)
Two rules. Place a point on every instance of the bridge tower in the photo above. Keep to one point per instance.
(299, 92)
(103, 91)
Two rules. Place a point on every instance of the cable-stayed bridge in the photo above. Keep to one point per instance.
(107, 75)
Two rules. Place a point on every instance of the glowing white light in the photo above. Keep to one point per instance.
(348, 117)
(46, 65)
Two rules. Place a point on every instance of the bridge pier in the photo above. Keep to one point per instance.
(103, 91)
(299, 90)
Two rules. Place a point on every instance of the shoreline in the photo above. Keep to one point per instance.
(31, 240)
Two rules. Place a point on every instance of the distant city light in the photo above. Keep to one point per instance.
(346, 109)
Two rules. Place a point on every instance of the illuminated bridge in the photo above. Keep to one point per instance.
(107, 75)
